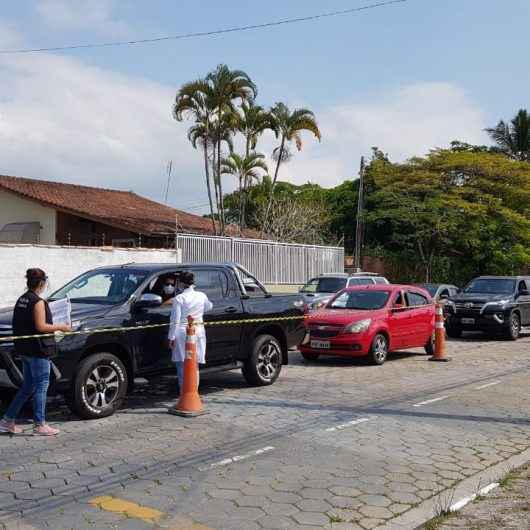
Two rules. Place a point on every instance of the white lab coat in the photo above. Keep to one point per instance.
(188, 303)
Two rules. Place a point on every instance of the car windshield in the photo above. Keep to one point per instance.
(108, 287)
(330, 285)
(491, 286)
(430, 287)
(367, 300)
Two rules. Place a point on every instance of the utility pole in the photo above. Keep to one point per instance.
(177, 237)
(169, 167)
(359, 224)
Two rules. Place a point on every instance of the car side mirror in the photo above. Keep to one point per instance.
(148, 300)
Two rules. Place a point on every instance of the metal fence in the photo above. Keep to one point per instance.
(270, 261)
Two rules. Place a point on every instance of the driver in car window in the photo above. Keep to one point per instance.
(165, 287)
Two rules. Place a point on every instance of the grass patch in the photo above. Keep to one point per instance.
(435, 522)
(506, 481)
(334, 518)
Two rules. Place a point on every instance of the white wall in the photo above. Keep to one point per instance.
(15, 209)
(64, 263)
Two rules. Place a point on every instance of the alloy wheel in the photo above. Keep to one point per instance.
(516, 325)
(102, 386)
(269, 360)
(380, 349)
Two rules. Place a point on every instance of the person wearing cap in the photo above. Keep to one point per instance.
(32, 316)
(188, 303)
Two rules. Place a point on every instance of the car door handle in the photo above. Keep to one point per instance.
(231, 309)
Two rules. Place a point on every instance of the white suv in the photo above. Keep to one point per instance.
(321, 289)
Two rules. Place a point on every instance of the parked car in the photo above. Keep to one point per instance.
(492, 304)
(94, 371)
(371, 320)
(318, 291)
(440, 291)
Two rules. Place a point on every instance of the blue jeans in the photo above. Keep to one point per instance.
(36, 381)
(180, 374)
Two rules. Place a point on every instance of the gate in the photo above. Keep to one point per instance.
(271, 262)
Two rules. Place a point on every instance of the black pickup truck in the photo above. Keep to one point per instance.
(95, 371)
(492, 304)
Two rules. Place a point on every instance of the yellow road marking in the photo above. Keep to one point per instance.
(130, 509)
(181, 523)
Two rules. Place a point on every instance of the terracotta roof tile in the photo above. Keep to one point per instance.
(124, 209)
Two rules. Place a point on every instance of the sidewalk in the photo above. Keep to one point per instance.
(506, 507)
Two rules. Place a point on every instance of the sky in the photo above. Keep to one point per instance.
(407, 78)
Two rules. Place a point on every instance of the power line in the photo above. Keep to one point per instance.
(206, 33)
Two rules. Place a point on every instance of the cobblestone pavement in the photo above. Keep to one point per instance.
(333, 444)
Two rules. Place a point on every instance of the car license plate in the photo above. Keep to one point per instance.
(320, 344)
(467, 320)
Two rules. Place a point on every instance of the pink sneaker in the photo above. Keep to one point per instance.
(45, 430)
(9, 427)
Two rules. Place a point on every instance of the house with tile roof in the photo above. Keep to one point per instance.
(55, 213)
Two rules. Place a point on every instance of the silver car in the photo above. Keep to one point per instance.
(318, 291)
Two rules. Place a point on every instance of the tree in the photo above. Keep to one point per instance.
(288, 126)
(254, 120)
(192, 101)
(296, 221)
(513, 138)
(468, 209)
(224, 87)
(245, 169)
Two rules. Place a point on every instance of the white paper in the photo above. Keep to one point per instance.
(61, 311)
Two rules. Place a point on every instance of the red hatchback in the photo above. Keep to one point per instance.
(371, 320)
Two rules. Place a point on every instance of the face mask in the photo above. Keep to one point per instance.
(169, 289)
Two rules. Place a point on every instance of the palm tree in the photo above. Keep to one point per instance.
(288, 126)
(513, 138)
(253, 122)
(245, 169)
(192, 101)
(224, 87)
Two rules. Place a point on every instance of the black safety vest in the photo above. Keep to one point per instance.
(24, 324)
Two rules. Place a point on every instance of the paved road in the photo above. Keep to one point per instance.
(333, 444)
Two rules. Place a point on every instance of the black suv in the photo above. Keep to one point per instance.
(493, 304)
(95, 371)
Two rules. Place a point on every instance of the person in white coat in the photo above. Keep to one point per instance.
(188, 303)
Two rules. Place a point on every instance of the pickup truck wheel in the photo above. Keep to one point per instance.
(310, 356)
(265, 362)
(514, 329)
(99, 387)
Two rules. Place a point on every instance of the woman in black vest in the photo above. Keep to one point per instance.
(32, 316)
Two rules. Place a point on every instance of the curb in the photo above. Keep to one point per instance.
(419, 515)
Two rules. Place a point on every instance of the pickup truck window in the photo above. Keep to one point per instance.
(213, 283)
(101, 287)
(251, 287)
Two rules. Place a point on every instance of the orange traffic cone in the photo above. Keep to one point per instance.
(189, 403)
(439, 335)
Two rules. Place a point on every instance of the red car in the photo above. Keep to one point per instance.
(371, 320)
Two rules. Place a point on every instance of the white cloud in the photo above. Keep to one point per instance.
(95, 15)
(405, 122)
(63, 120)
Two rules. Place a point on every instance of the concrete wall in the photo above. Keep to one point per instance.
(283, 288)
(64, 263)
(15, 209)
